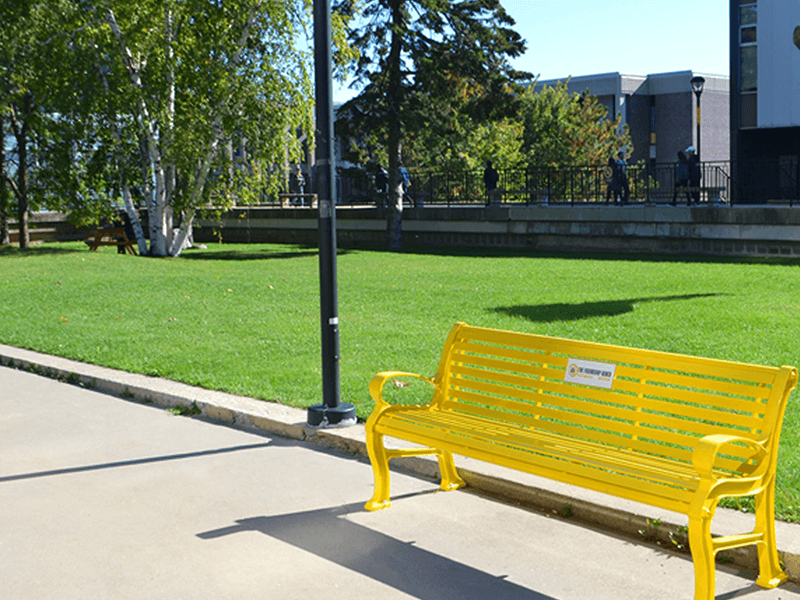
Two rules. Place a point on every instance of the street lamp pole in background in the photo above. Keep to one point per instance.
(331, 412)
(697, 87)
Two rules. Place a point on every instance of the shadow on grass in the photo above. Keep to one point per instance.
(37, 250)
(481, 252)
(249, 254)
(548, 313)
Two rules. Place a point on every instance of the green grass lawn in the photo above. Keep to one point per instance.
(245, 318)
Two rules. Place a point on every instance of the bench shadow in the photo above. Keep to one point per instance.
(402, 565)
(548, 313)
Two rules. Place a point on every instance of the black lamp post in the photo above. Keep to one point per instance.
(697, 87)
(331, 412)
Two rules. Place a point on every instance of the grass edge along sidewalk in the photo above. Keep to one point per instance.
(638, 522)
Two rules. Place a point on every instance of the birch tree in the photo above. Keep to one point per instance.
(189, 79)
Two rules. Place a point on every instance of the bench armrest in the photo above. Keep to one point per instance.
(707, 449)
(379, 380)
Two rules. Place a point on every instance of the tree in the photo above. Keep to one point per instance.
(192, 101)
(424, 67)
(500, 142)
(563, 129)
(4, 233)
(22, 33)
(41, 97)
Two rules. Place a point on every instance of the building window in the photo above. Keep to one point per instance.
(748, 63)
(748, 35)
(748, 51)
(749, 74)
(747, 14)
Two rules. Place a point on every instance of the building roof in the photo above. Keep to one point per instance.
(607, 84)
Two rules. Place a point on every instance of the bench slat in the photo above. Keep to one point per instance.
(680, 402)
(635, 425)
(667, 497)
(526, 362)
(475, 337)
(561, 395)
(651, 441)
(598, 456)
(649, 454)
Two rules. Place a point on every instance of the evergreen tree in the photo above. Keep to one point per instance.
(425, 68)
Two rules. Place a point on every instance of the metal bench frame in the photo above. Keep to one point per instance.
(673, 431)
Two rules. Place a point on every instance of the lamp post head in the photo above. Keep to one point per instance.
(697, 84)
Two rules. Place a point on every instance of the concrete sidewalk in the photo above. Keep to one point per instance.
(104, 497)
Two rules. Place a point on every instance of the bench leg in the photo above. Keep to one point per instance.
(703, 557)
(770, 573)
(380, 470)
(450, 478)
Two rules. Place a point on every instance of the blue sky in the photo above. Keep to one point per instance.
(582, 37)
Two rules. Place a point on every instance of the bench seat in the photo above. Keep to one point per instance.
(672, 431)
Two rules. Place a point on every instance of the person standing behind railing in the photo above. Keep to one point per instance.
(490, 179)
(622, 176)
(681, 177)
(404, 179)
(694, 175)
(382, 185)
(611, 179)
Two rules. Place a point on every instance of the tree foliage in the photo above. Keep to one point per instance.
(175, 103)
(563, 129)
(216, 90)
(26, 66)
(427, 69)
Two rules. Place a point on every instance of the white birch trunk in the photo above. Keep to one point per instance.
(183, 236)
(133, 215)
(160, 224)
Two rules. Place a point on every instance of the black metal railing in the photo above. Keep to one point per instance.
(549, 185)
(752, 182)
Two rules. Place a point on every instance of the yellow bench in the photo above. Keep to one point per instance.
(672, 431)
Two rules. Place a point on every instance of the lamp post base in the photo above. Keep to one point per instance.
(323, 416)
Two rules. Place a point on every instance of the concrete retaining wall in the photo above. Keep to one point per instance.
(723, 230)
(49, 227)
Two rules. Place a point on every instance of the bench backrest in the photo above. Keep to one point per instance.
(655, 403)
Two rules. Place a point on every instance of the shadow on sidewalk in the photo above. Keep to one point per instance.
(133, 462)
(401, 565)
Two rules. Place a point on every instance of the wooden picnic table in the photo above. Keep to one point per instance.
(111, 236)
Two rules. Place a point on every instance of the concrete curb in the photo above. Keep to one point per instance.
(638, 522)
